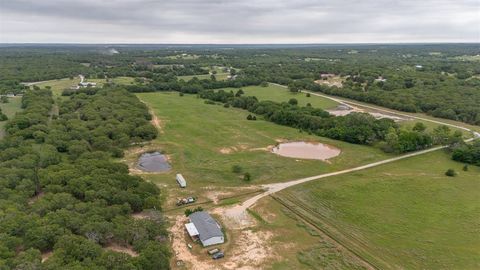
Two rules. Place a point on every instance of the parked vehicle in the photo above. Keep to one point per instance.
(185, 201)
(218, 255)
(213, 251)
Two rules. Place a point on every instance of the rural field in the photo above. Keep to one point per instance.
(280, 94)
(207, 140)
(204, 141)
(406, 214)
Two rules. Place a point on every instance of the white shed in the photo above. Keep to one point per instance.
(181, 181)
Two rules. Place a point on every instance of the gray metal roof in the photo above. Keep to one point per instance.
(206, 225)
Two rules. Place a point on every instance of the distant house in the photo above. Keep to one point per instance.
(86, 84)
(181, 181)
(327, 75)
(380, 79)
(204, 228)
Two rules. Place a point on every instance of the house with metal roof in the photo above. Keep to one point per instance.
(205, 228)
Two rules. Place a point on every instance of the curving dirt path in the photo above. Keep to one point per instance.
(239, 214)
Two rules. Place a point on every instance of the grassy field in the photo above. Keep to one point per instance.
(296, 244)
(404, 215)
(281, 94)
(219, 76)
(59, 85)
(204, 141)
(9, 109)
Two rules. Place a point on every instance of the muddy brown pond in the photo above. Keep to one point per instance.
(153, 162)
(306, 150)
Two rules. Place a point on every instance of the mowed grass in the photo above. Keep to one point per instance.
(204, 141)
(281, 94)
(407, 214)
(9, 109)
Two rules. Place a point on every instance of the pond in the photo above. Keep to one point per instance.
(306, 150)
(153, 162)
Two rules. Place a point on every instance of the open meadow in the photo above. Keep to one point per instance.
(280, 94)
(204, 142)
(404, 215)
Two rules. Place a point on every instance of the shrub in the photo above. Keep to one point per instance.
(237, 169)
(308, 94)
(450, 172)
(293, 101)
(247, 177)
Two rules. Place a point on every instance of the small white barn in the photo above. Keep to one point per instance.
(86, 84)
(181, 181)
(203, 227)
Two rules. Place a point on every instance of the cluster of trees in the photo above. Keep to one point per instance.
(61, 193)
(3, 117)
(467, 153)
(192, 86)
(405, 140)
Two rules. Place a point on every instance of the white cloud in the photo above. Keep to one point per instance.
(247, 21)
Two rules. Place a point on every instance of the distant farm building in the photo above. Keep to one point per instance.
(181, 181)
(204, 228)
(87, 84)
(327, 75)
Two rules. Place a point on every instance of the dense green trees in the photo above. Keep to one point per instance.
(3, 117)
(468, 153)
(60, 192)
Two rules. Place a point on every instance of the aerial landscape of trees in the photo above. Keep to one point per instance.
(61, 192)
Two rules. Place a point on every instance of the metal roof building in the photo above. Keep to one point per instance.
(208, 230)
(181, 181)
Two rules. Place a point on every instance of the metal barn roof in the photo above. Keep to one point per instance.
(205, 225)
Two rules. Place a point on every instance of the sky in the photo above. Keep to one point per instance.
(239, 22)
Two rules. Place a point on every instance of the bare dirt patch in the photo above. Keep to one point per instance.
(46, 255)
(35, 198)
(232, 149)
(117, 248)
(250, 251)
(331, 81)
